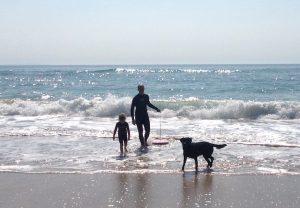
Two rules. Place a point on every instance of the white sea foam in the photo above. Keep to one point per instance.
(195, 70)
(132, 70)
(192, 108)
(226, 71)
(171, 70)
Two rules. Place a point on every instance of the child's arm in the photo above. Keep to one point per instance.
(114, 134)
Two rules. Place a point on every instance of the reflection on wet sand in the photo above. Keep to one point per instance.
(196, 190)
(130, 191)
(141, 194)
(144, 190)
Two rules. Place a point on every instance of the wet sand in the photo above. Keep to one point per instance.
(148, 190)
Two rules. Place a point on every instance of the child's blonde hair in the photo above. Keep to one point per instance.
(122, 116)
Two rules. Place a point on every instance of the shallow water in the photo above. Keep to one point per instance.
(264, 148)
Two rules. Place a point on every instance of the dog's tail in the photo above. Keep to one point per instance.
(219, 146)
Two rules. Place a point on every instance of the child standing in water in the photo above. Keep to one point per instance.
(123, 130)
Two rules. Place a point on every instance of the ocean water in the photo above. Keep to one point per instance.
(59, 119)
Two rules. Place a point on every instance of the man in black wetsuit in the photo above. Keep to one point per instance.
(140, 118)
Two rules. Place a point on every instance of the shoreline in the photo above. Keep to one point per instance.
(156, 171)
(148, 190)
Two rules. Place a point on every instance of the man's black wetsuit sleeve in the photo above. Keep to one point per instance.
(132, 109)
(150, 105)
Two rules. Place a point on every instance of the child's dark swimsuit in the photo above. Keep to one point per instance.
(122, 131)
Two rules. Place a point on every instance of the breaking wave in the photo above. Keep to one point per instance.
(192, 108)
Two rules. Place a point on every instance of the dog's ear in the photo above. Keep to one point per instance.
(186, 140)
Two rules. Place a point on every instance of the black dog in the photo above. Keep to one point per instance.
(193, 150)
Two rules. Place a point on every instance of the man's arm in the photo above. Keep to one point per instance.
(152, 106)
(128, 131)
(132, 110)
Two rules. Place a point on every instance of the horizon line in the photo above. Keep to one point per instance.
(147, 64)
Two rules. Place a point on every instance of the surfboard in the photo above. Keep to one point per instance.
(160, 141)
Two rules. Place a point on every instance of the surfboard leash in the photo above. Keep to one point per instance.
(160, 126)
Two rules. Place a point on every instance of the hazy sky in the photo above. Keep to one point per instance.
(149, 31)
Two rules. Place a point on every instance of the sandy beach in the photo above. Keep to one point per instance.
(148, 190)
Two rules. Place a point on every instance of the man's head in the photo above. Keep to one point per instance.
(141, 89)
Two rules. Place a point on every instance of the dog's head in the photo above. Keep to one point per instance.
(186, 141)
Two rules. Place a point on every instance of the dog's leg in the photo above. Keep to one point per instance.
(184, 161)
(196, 164)
(212, 160)
(207, 160)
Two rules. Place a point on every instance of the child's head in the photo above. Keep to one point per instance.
(122, 117)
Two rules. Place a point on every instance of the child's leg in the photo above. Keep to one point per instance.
(125, 147)
(121, 145)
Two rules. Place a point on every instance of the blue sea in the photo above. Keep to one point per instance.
(59, 119)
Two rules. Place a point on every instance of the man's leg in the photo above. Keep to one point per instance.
(147, 129)
(140, 130)
(121, 148)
